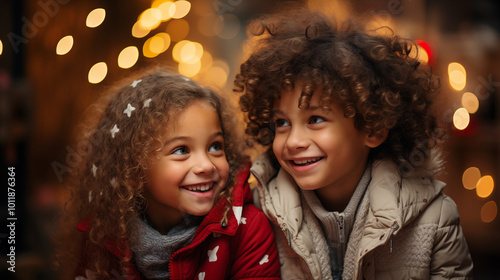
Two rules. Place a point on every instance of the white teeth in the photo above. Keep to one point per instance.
(306, 161)
(199, 188)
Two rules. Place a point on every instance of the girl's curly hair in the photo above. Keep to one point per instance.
(372, 76)
(108, 186)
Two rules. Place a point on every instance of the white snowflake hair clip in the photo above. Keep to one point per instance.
(114, 130)
(135, 83)
(129, 110)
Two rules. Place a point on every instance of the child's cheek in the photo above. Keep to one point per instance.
(278, 145)
(224, 171)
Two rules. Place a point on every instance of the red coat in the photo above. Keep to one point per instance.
(244, 249)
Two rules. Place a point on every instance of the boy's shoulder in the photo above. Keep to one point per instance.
(442, 211)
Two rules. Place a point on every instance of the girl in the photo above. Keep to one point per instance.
(348, 179)
(163, 193)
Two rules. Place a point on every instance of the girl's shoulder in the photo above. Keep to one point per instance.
(250, 213)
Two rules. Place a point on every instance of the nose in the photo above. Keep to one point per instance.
(297, 139)
(203, 165)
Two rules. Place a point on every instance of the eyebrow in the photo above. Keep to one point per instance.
(313, 108)
(218, 133)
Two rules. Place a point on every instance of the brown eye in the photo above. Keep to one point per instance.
(316, 119)
(281, 123)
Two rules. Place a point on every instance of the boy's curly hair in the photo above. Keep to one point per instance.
(372, 76)
(111, 196)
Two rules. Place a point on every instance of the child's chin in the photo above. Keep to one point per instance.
(308, 186)
(199, 212)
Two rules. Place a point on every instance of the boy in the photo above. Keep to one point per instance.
(348, 182)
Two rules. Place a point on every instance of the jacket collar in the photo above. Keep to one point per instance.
(394, 199)
(241, 195)
(397, 199)
(278, 193)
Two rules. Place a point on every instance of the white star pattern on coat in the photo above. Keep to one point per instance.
(114, 130)
(212, 254)
(264, 260)
(129, 110)
(94, 169)
(244, 220)
(146, 103)
(201, 276)
(237, 210)
(134, 83)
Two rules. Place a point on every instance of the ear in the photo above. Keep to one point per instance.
(374, 139)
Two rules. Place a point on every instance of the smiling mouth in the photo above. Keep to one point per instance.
(306, 161)
(200, 187)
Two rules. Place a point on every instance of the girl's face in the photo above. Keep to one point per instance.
(321, 149)
(192, 168)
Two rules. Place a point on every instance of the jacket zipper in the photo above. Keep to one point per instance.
(394, 227)
(341, 228)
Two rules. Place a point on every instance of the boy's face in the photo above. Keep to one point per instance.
(192, 168)
(320, 149)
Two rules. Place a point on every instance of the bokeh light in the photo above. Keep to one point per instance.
(139, 31)
(425, 52)
(64, 45)
(216, 72)
(166, 7)
(206, 60)
(98, 72)
(150, 18)
(149, 49)
(485, 186)
(178, 29)
(158, 3)
(457, 76)
(420, 54)
(461, 118)
(470, 102)
(176, 50)
(1, 47)
(470, 177)
(216, 75)
(489, 211)
(191, 52)
(222, 64)
(96, 17)
(182, 8)
(187, 51)
(156, 45)
(128, 57)
(189, 69)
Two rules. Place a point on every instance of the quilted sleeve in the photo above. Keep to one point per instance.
(451, 258)
(255, 255)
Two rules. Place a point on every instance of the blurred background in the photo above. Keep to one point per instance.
(58, 56)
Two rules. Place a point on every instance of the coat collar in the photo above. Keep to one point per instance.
(399, 199)
(394, 199)
(279, 194)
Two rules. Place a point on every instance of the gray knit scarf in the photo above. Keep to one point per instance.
(152, 250)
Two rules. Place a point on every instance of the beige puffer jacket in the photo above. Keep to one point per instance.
(405, 227)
